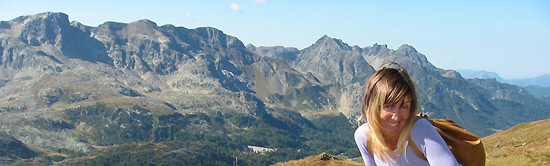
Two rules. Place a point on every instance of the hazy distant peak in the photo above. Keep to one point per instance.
(481, 74)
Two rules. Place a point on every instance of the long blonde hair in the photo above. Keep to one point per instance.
(387, 86)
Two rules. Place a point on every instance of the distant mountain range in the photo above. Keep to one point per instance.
(138, 93)
(541, 81)
(538, 86)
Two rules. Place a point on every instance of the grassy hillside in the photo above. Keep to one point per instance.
(524, 144)
(324, 159)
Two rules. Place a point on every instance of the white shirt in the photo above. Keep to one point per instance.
(426, 138)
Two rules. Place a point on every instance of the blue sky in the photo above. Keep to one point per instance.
(510, 37)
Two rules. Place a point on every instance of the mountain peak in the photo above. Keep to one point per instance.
(45, 17)
(251, 47)
(378, 49)
(481, 74)
(406, 48)
(145, 22)
(408, 51)
(328, 42)
(40, 28)
(376, 45)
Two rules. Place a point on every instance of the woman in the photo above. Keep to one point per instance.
(390, 105)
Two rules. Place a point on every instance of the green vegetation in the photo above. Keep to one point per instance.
(336, 136)
(165, 153)
(47, 124)
(113, 126)
(14, 149)
(135, 136)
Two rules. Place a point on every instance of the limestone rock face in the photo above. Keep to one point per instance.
(331, 60)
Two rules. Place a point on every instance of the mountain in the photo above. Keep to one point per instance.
(120, 93)
(74, 90)
(471, 74)
(542, 81)
(523, 144)
(481, 106)
(287, 54)
(543, 93)
(538, 87)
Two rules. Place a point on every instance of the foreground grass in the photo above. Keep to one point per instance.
(524, 144)
(323, 159)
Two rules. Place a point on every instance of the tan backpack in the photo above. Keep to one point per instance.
(465, 146)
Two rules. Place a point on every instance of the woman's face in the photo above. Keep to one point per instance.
(394, 117)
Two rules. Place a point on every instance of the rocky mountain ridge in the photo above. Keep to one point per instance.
(200, 82)
(442, 93)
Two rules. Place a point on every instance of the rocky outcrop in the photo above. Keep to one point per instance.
(333, 61)
(287, 54)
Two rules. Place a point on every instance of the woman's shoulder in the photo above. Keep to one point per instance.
(361, 132)
(422, 127)
(421, 123)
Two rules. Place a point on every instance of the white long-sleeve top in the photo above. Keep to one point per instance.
(426, 138)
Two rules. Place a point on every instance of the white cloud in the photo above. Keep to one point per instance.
(257, 2)
(235, 7)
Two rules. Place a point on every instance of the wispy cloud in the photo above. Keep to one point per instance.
(257, 2)
(235, 7)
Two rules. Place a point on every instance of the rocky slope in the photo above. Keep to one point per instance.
(140, 82)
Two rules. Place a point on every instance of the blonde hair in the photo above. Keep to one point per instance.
(387, 86)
